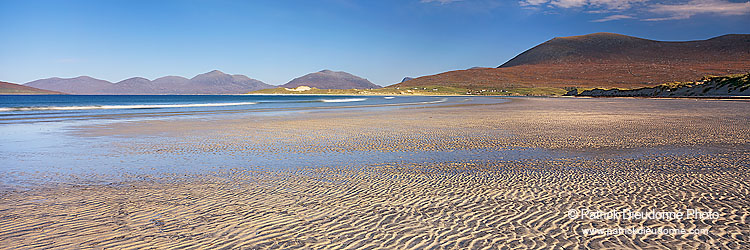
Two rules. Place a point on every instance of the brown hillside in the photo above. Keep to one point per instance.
(7, 88)
(606, 60)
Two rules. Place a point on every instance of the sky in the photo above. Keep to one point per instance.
(275, 41)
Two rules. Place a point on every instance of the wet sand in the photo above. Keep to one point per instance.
(511, 174)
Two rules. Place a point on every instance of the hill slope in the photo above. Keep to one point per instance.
(605, 60)
(327, 79)
(7, 88)
(214, 82)
(612, 48)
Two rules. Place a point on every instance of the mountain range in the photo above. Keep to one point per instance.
(327, 79)
(604, 60)
(214, 82)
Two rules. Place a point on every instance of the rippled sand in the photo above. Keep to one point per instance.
(597, 154)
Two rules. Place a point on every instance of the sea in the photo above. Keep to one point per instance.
(23, 109)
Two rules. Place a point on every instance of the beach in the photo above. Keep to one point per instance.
(467, 173)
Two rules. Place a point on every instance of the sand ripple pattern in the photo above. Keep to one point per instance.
(618, 162)
(461, 205)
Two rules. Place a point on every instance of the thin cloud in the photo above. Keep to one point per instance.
(636, 8)
(595, 4)
(613, 18)
(440, 1)
(533, 2)
(695, 7)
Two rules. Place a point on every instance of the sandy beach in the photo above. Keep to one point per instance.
(520, 174)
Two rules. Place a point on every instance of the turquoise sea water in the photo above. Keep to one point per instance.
(15, 109)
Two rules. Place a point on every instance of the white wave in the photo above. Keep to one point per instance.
(344, 100)
(389, 97)
(154, 106)
(438, 101)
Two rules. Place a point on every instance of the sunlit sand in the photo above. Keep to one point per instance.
(500, 175)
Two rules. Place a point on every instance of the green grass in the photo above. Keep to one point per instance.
(422, 90)
(313, 91)
(546, 91)
(738, 80)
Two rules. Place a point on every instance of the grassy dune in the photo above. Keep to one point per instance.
(729, 85)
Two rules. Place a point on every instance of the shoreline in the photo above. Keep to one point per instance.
(452, 176)
(380, 95)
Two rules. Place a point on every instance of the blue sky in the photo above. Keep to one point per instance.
(276, 41)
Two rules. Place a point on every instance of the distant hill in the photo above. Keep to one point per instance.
(77, 85)
(327, 79)
(214, 82)
(605, 60)
(7, 88)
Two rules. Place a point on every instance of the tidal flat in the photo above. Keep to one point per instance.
(475, 173)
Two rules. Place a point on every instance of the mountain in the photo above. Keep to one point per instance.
(605, 60)
(223, 83)
(327, 79)
(7, 88)
(171, 82)
(78, 85)
(135, 85)
(214, 82)
(621, 49)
